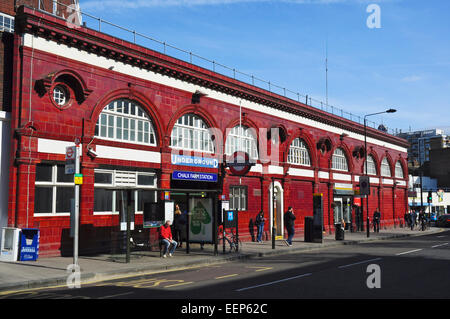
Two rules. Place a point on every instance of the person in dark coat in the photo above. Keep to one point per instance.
(259, 222)
(178, 224)
(413, 219)
(289, 219)
(406, 219)
(376, 221)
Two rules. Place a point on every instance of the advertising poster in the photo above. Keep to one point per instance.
(201, 220)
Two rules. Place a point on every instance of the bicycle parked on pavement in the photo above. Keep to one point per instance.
(231, 240)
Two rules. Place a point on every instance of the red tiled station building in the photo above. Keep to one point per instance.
(135, 108)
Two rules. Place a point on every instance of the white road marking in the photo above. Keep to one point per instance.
(408, 252)
(275, 282)
(358, 263)
(435, 246)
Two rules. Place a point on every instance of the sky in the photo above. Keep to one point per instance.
(396, 56)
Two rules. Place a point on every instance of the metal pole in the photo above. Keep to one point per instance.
(187, 224)
(367, 196)
(77, 206)
(129, 207)
(215, 215)
(237, 230)
(223, 231)
(273, 214)
(421, 188)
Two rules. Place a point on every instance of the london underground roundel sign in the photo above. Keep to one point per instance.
(239, 163)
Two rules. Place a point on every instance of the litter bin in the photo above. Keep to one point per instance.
(309, 223)
(10, 244)
(339, 235)
(29, 244)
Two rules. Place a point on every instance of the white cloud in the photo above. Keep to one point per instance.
(412, 78)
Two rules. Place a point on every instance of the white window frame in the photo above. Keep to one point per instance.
(54, 184)
(60, 95)
(117, 120)
(3, 26)
(299, 153)
(399, 170)
(240, 138)
(240, 192)
(119, 180)
(339, 160)
(372, 168)
(191, 133)
(385, 168)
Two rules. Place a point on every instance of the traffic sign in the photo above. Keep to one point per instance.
(71, 155)
(71, 152)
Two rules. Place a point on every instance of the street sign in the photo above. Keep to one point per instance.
(78, 179)
(71, 154)
(69, 168)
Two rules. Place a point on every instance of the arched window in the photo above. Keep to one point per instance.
(191, 133)
(399, 170)
(124, 120)
(298, 153)
(385, 168)
(371, 168)
(339, 160)
(241, 138)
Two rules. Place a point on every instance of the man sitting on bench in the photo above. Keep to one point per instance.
(166, 239)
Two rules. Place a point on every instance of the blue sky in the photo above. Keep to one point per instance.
(405, 64)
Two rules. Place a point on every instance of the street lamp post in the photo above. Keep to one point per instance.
(365, 161)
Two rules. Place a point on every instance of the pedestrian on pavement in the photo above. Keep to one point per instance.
(406, 217)
(422, 219)
(413, 219)
(289, 219)
(167, 241)
(178, 224)
(259, 222)
(376, 220)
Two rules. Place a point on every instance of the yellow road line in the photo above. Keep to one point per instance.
(180, 284)
(232, 275)
(261, 268)
(101, 279)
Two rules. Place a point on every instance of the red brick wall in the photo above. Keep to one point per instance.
(7, 6)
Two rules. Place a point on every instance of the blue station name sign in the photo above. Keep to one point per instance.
(194, 176)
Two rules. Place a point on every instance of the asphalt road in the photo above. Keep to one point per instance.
(414, 267)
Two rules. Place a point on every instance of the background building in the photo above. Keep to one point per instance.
(421, 144)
